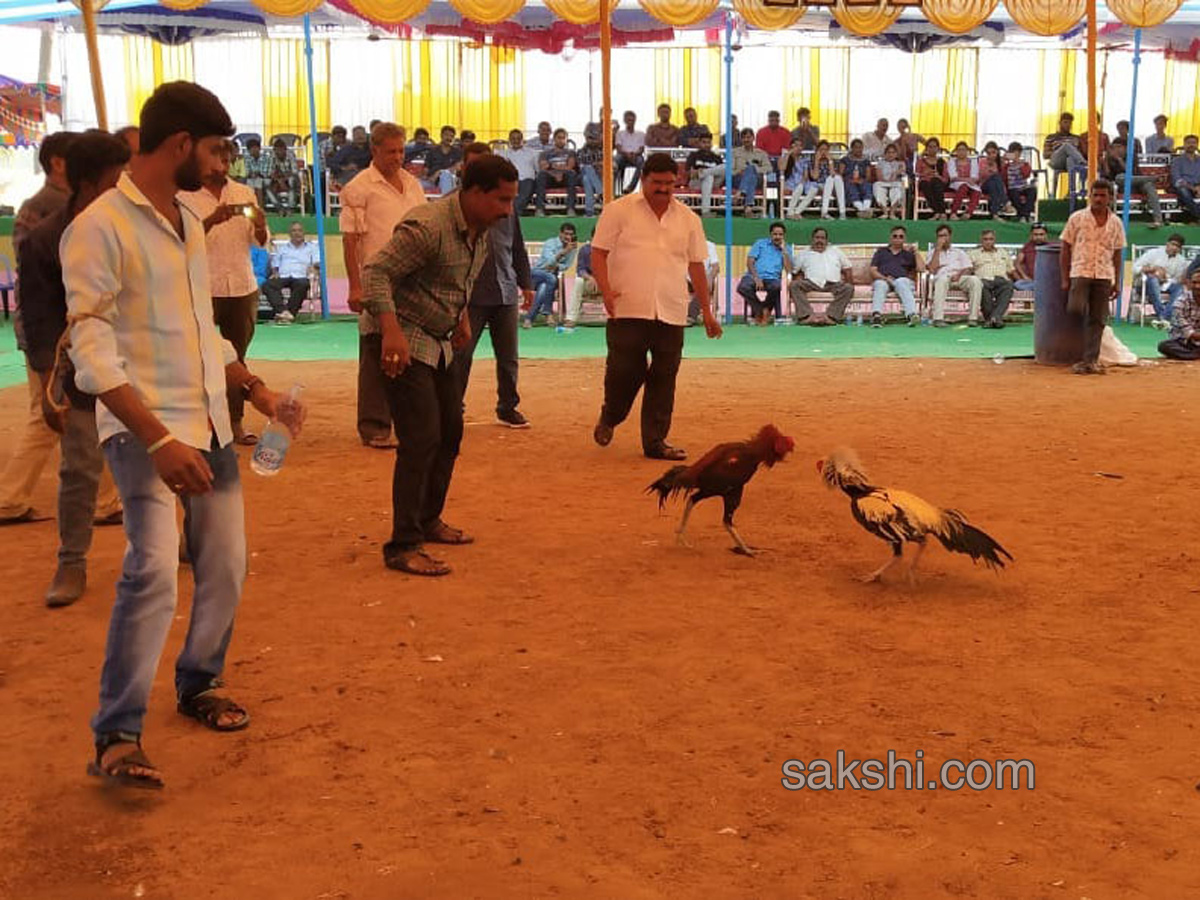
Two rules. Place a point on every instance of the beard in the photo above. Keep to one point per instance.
(187, 175)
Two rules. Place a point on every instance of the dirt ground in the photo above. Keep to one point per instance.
(584, 710)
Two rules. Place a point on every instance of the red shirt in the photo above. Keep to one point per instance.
(773, 141)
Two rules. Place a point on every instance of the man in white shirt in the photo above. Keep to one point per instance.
(631, 145)
(951, 268)
(291, 264)
(646, 248)
(525, 159)
(373, 204)
(875, 142)
(143, 341)
(821, 269)
(233, 222)
(1162, 269)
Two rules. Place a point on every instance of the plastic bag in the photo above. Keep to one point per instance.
(1113, 352)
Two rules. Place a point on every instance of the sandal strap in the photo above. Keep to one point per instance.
(109, 738)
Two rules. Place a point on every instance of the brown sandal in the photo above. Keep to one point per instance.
(445, 534)
(120, 771)
(207, 708)
(417, 562)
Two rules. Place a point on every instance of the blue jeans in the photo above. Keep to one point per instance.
(1023, 284)
(904, 289)
(544, 285)
(592, 185)
(747, 183)
(1154, 294)
(147, 589)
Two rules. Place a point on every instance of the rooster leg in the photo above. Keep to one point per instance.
(741, 547)
(877, 575)
(732, 500)
(687, 511)
(912, 567)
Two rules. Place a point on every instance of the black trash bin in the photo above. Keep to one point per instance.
(1057, 334)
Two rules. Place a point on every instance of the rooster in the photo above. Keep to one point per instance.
(899, 517)
(723, 472)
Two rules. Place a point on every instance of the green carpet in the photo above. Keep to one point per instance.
(338, 340)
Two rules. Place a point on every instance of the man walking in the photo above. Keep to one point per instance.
(143, 342)
(505, 277)
(417, 286)
(1091, 257)
(372, 205)
(646, 247)
(95, 161)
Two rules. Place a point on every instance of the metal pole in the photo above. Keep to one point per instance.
(606, 97)
(728, 167)
(1093, 132)
(1137, 62)
(318, 195)
(93, 52)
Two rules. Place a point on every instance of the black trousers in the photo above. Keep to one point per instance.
(427, 409)
(235, 318)
(374, 414)
(935, 194)
(1089, 298)
(297, 293)
(1178, 348)
(626, 370)
(502, 326)
(997, 294)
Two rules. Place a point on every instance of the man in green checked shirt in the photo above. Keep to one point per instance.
(417, 286)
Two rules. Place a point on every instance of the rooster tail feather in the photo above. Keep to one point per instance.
(961, 536)
(668, 485)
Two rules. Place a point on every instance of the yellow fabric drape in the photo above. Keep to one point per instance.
(285, 86)
(451, 83)
(1180, 90)
(769, 18)
(866, 20)
(1046, 17)
(149, 64)
(958, 16)
(945, 94)
(689, 76)
(1068, 72)
(680, 12)
(287, 8)
(1049, 98)
(1144, 13)
(183, 4)
(579, 12)
(819, 78)
(488, 12)
(390, 10)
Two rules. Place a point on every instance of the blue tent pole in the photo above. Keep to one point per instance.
(728, 167)
(318, 194)
(1137, 62)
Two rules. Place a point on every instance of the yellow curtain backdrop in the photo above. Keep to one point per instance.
(1051, 78)
(958, 16)
(147, 65)
(390, 10)
(945, 94)
(770, 18)
(819, 78)
(866, 20)
(689, 76)
(1046, 17)
(1180, 90)
(285, 86)
(579, 12)
(1144, 13)
(680, 12)
(488, 12)
(452, 83)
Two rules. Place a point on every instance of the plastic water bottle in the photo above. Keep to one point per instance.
(998, 359)
(858, 321)
(273, 446)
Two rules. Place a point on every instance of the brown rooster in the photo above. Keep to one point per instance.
(899, 517)
(723, 472)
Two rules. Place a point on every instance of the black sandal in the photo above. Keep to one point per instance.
(207, 708)
(416, 562)
(119, 772)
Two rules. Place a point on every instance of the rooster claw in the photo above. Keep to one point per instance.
(873, 578)
(745, 551)
(681, 541)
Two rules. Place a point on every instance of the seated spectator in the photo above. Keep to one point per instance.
(750, 166)
(1185, 177)
(1159, 269)
(1019, 183)
(993, 267)
(965, 181)
(991, 179)
(802, 192)
(257, 168)
(1160, 141)
(772, 139)
(737, 134)
(823, 170)
(1123, 134)
(662, 133)
(856, 173)
(808, 133)
(260, 262)
(415, 152)
(1027, 258)
(525, 159)
(291, 265)
(894, 269)
(889, 183)
(465, 138)
(631, 147)
(590, 160)
(237, 163)
(933, 177)
(557, 255)
(1112, 168)
(351, 157)
(283, 179)
(950, 267)
(332, 144)
(1184, 341)
(692, 130)
(765, 263)
(712, 268)
(821, 269)
(908, 143)
(586, 288)
(704, 166)
(875, 142)
(557, 167)
(442, 163)
(545, 138)
(1064, 151)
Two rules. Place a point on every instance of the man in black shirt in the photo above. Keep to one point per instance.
(442, 162)
(94, 163)
(703, 168)
(350, 158)
(1112, 168)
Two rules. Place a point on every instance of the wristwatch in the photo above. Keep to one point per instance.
(249, 385)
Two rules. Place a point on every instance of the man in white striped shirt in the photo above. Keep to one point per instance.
(143, 341)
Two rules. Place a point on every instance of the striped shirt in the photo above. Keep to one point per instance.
(143, 315)
(424, 275)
